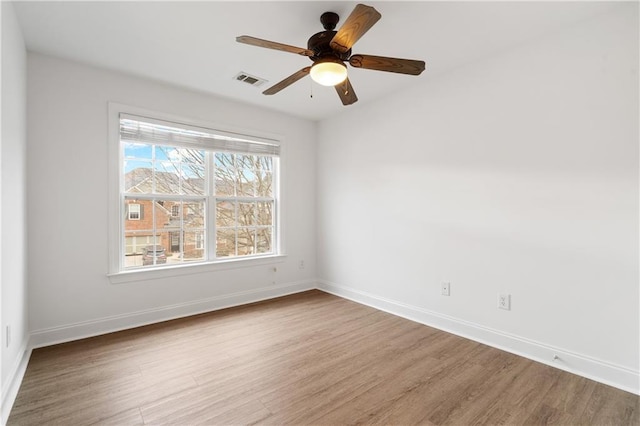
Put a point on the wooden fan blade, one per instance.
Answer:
(359, 22)
(381, 63)
(287, 81)
(273, 45)
(346, 93)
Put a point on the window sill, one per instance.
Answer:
(199, 268)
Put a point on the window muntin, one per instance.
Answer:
(177, 185)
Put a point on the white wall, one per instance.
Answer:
(13, 198)
(517, 174)
(69, 292)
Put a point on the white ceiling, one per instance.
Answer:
(192, 44)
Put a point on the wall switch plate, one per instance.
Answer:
(446, 289)
(504, 301)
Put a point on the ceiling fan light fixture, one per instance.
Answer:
(329, 51)
(329, 72)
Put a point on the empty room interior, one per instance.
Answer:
(320, 212)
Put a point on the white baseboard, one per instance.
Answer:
(13, 382)
(598, 370)
(67, 333)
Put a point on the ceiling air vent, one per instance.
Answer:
(250, 79)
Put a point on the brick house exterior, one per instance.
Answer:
(176, 228)
(139, 225)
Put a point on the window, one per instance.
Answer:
(134, 211)
(199, 241)
(198, 194)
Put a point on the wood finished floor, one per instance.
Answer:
(310, 358)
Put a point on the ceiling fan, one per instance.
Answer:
(329, 50)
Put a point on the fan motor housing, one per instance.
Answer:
(319, 43)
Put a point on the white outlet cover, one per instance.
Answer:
(504, 301)
(446, 289)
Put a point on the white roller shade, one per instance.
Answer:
(134, 129)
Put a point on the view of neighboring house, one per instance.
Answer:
(165, 198)
(173, 224)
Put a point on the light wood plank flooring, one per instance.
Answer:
(310, 358)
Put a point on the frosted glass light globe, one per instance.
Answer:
(328, 73)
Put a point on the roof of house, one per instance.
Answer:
(141, 180)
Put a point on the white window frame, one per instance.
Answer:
(117, 273)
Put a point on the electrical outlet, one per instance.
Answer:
(504, 301)
(446, 289)
(301, 264)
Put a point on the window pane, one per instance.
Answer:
(194, 245)
(168, 226)
(167, 178)
(158, 254)
(179, 171)
(225, 174)
(264, 213)
(225, 214)
(137, 176)
(137, 215)
(225, 242)
(136, 244)
(246, 214)
(264, 184)
(193, 156)
(161, 153)
(138, 150)
(263, 240)
(194, 225)
(193, 170)
(193, 214)
(180, 155)
(245, 177)
(264, 177)
(246, 241)
(192, 179)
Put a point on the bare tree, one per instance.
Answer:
(239, 180)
